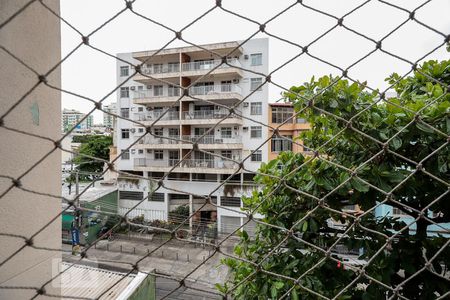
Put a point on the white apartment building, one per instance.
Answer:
(70, 117)
(108, 120)
(156, 101)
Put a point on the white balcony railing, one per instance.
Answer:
(208, 139)
(208, 114)
(161, 69)
(153, 116)
(208, 65)
(214, 89)
(186, 163)
(155, 140)
(145, 94)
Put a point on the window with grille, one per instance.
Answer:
(173, 67)
(225, 132)
(256, 131)
(159, 154)
(281, 114)
(124, 71)
(257, 156)
(125, 133)
(157, 68)
(230, 201)
(124, 92)
(256, 59)
(125, 112)
(157, 90)
(156, 197)
(131, 195)
(279, 144)
(255, 84)
(125, 155)
(256, 108)
(227, 153)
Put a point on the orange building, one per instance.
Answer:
(290, 129)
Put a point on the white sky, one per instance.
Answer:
(92, 74)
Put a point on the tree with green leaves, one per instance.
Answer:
(369, 151)
(95, 146)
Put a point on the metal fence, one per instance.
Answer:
(320, 202)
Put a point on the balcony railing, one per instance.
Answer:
(208, 114)
(145, 94)
(208, 65)
(152, 140)
(186, 163)
(153, 116)
(161, 69)
(214, 89)
(208, 139)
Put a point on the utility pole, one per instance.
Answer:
(77, 218)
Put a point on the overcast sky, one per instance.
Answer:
(92, 74)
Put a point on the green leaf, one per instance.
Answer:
(396, 143)
(359, 186)
(334, 103)
(294, 294)
(279, 285)
(305, 226)
(424, 128)
(273, 292)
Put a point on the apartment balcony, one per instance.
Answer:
(217, 92)
(211, 142)
(167, 118)
(168, 96)
(160, 72)
(174, 142)
(207, 117)
(200, 68)
(211, 166)
(156, 142)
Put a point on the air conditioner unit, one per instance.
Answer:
(235, 80)
(132, 88)
(133, 151)
(245, 104)
(245, 128)
(133, 130)
(245, 56)
(148, 108)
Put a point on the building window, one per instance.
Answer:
(158, 131)
(279, 144)
(125, 112)
(256, 108)
(255, 131)
(226, 153)
(174, 67)
(282, 114)
(140, 130)
(230, 201)
(140, 109)
(225, 132)
(256, 59)
(130, 195)
(140, 151)
(125, 133)
(300, 120)
(174, 132)
(157, 68)
(124, 92)
(157, 90)
(159, 154)
(255, 84)
(125, 154)
(124, 71)
(257, 156)
(157, 197)
(174, 91)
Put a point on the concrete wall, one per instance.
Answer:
(34, 37)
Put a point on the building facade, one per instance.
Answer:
(108, 120)
(281, 116)
(70, 117)
(202, 117)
